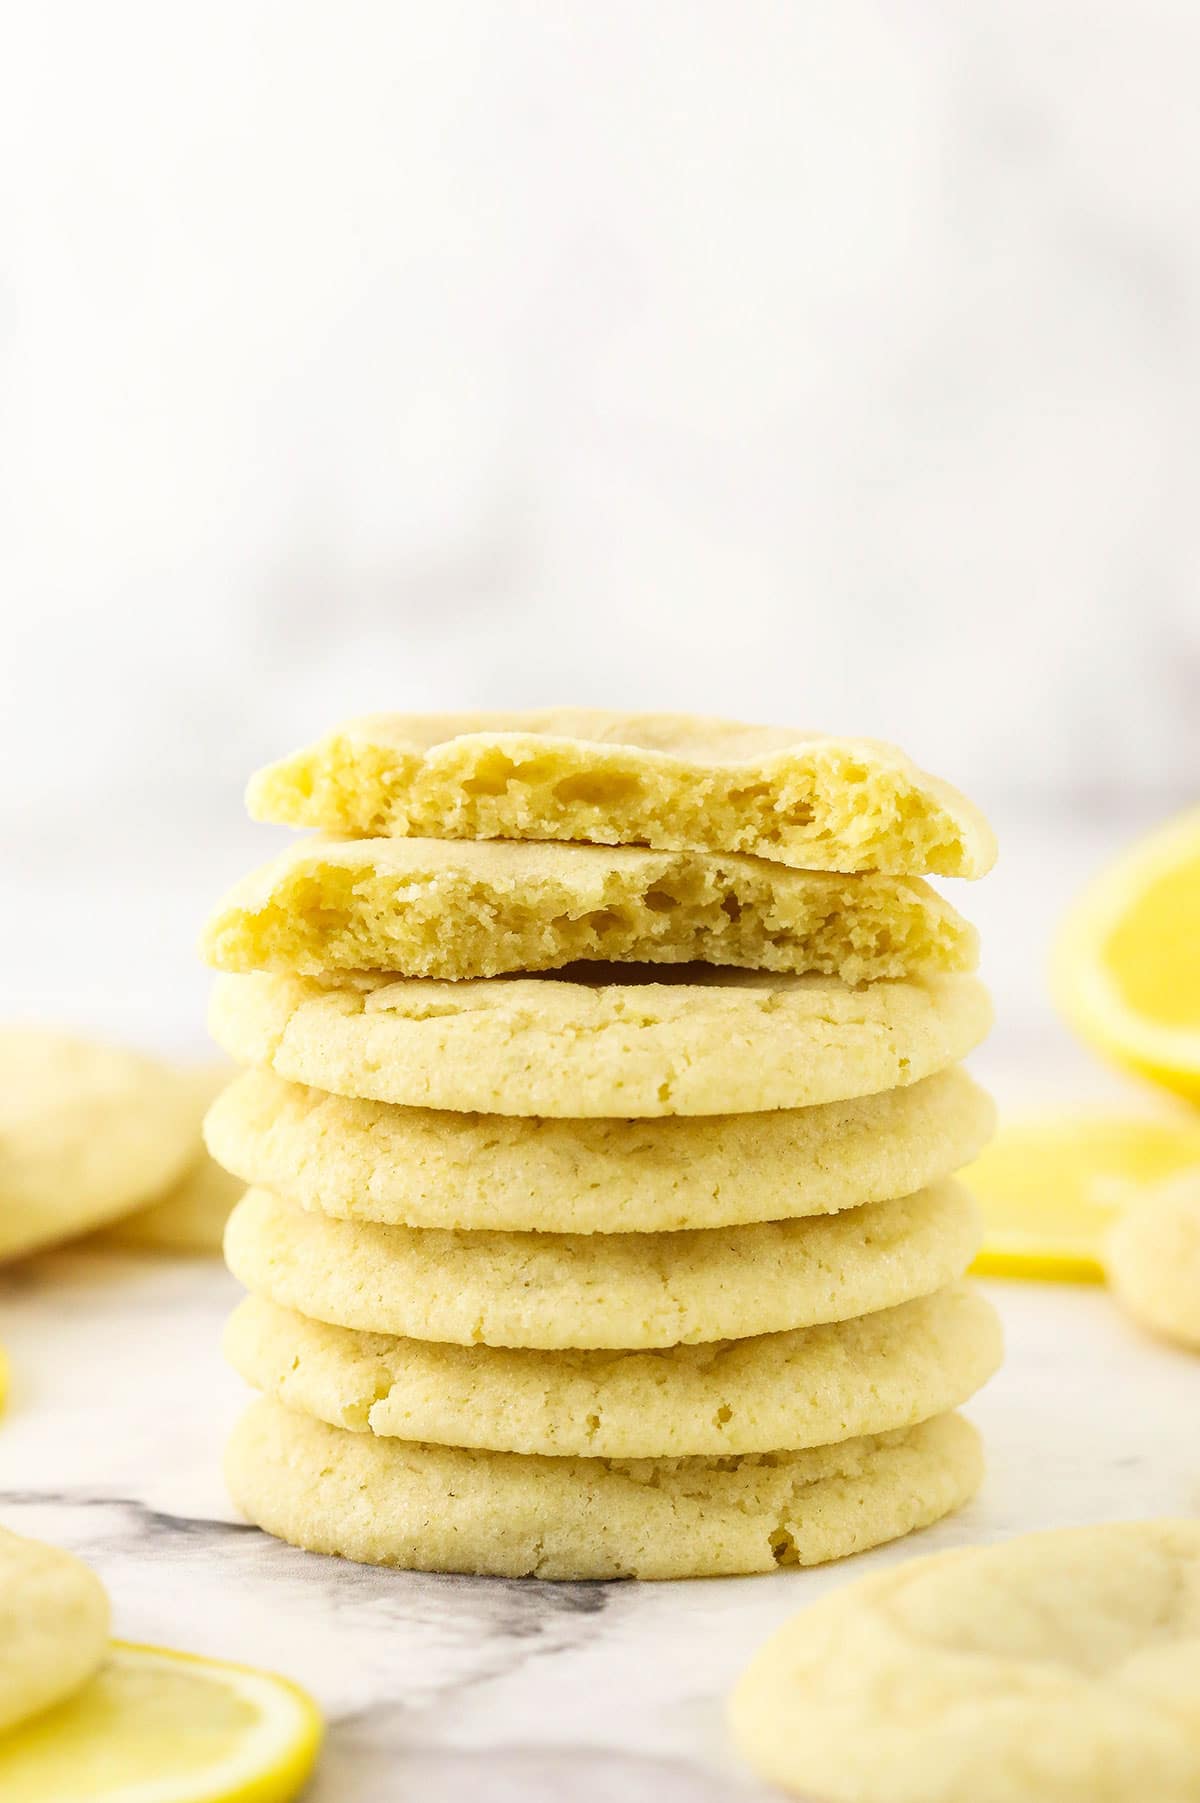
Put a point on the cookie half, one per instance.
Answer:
(809, 1387)
(462, 908)
(622, 1290)
(439, 1508)
(672, 781)
(584, 1045)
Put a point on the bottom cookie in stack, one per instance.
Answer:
(598, 1464)
(444, 1508)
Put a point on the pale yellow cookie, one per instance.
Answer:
(424, 1167)
(808, 1387)
(673, 781)
(600, 1289)
(191, 1216)
(1153, 1260)
(53, 1626)
(88, 1133)
(461, 909)
(1055, 1668)
(440, 1508)
(707, 1042)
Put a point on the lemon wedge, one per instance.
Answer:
(160, 1727)
(1050, 1187)
(1127, 959)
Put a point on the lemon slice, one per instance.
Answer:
(1049, 1187)
(160, 1727)
(1127, 959)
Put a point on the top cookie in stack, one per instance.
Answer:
(457, 1310)
(670, 781)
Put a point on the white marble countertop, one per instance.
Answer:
(444, 1688)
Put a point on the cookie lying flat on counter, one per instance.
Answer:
(54, 1621)
(620, 1290)
(672, 781)
(442, 1508)
(1153, 1260)
(1062, 1667)
(620, 1041)
(191, 1216)
(386, 904)
(88, 1133)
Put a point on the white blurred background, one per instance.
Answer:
(832, 365)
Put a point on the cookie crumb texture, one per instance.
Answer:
(428, 908)
(440, 1508)
(1061, 1667)
(619, 1042)
(670, 781)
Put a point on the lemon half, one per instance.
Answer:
(1050, 1187)
(1127, 958)
(162, 1727)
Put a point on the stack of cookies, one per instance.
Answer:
(602, 1104)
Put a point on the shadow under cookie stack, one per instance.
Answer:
(603, 1093)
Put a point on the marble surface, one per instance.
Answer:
(450, 1688)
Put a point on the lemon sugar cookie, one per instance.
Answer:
(600, 1102)
(619, 1290)
(384, 904)
(1062, 1666)
(808, 1387)
(700, 1042)
(191, 1216)
(1153, 1259)
(672, 781)
(53, 1626)
(424, 1167)
(440, 1508)
(88, 1132)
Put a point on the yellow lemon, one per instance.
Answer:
(160, 1727)
(1127, 961)
(1050, 1187)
